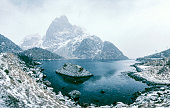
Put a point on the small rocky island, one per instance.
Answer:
(73, 70)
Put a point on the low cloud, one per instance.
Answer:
(137, 27)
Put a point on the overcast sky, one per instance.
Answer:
(136, 27)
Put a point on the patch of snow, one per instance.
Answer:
(143, 67)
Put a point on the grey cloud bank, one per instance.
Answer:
(137, 27)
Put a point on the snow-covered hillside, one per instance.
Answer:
(71, 41)
(163, 54)
(6, 45)
(160, 55)
(22, 87)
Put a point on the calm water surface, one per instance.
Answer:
(109, 76)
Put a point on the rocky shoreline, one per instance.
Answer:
(22, 86)
(139, 78)
(155, 74)
(152, 72)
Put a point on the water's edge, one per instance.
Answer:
(133, 96)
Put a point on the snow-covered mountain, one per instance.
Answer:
(72, 42)
(7, 45)
(31, 41)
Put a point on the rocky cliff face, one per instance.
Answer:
(71, 41)
(7, 45)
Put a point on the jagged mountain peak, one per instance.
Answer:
(60, 30)
(61, 22)
(62, 19)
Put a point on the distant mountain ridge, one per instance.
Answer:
(40, 54)
(162, 54)
(6, 45)
(71, 42)
(31, 41)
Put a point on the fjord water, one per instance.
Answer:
(109, 76)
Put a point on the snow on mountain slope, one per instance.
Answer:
(89, 47)
(110, 51)
(72, 42)
(6, 45)
(162, 54)
(31, 41)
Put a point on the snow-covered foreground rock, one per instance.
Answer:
(21, 88)
(156, 98)
(73, 70)
(159, 98)
(74, 94)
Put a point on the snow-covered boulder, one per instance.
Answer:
(73, 70)
(74, 94)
